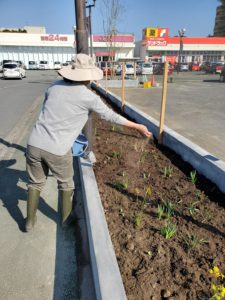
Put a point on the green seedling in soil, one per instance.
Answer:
(115, 127)
(121, 213)
(192, 208)
(160, 211)
(146, 175)
(138, 220)
(121, 185)
(192, 241)
(137, 192)
(149, 253)
(169, 208)
(168, 171)
(143, 156)
(206, 215)
(116, 154)
(168, 230)
(95, 131)
(199, 195)
(148, 193)
(193, 176)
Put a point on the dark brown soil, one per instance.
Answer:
(133, 181)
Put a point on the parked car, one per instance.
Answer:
(43, 65)
(129, 69)
(195, 67)
(147, 69)
(184, 67)
(222, 74)
(219, 66)
(13, 70)
(57, 65)
(159, 69)
(32, 65)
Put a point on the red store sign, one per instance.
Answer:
(54, 37)
(156, 42)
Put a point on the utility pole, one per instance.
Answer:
(89, 25)
(82, 47)
(81, 27)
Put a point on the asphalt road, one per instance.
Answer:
(195, 108)
(16, 96)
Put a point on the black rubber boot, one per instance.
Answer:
(66, 206)
(32, 205)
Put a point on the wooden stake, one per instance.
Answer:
(123, 85)
(106, 78)
(163, 104)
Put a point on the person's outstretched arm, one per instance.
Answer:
(141, 128)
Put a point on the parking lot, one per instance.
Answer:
(195, 107)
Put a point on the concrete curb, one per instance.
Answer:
(118, 83)
(107, 279)
(204, 162)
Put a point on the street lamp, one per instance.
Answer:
(181, 33)
(89, 24)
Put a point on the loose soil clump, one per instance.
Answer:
(166, 221)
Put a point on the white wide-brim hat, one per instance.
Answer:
(82, 69)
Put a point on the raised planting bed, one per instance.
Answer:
(167, 222)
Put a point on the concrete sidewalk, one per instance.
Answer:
(38, 265)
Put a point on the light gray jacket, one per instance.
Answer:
(64, 113)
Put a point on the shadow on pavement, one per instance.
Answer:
(12, 145)
(11, 193)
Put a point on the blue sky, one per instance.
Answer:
(58, 16)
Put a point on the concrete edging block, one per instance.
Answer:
(201, 160)
(107, 278)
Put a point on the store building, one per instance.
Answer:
(33, 43)
(157, 44)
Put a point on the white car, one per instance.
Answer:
(57, 65)
(32, 65)
(43, 65)
(147, 69)
(13, 70)
(184, 67)
(129, 69)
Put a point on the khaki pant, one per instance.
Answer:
(39, 162)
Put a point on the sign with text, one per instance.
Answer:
(156, 42)
(54, 37)
(151, 32)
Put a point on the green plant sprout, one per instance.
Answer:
(192, 208)
(121, 185)
(116, 154)
(192, 241)
(168, 230)
(95, 131)
(138, 220)
(168, 171)
(121, 213)
(169, 208)
(199, 195)
(146, 175)
(113, 127)
(206, 215)
(193, 177)
(143, 156)
(160, 211)
(137, 192)
(148, 193)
